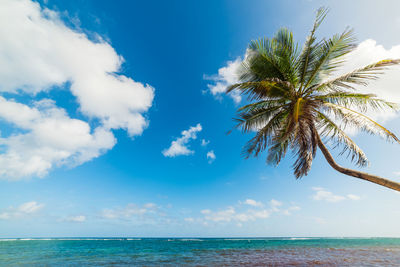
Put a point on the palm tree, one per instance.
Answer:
(296, 104)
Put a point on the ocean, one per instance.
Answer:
(200, 252)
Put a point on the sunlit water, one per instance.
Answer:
(200, 252)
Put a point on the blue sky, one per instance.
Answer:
(88, 137)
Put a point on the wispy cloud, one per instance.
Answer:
(245, 211)
(77, 219)
(180, 145)
(289, 210)
(25, 209)
(204, 142)
(324, 195)
(275, 204)
(148, 213)
(231, 214)
(353, 197)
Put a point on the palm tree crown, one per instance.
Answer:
(295, 101)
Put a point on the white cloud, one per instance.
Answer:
(231, 215)
(25, 209)
(322, 194)
(29, 207)
(40, 53)
(149, 213)
(4, 216)
(226, 76)
(290, 209)
(353, 197)
(150, 206)
(211, 156)
(275, 204)
(204, 142)
(179, 146)
(254, 203)
(51, 139)
(206, 211)
(241, 212)
(78, 218)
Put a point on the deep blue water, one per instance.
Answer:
(200, 252)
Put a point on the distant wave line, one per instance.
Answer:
(70, 239)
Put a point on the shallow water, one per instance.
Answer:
(200, 252)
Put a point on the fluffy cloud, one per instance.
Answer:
(226, 76)
(25, 209)
(241, 212)
(211, 156)
(40, 53)
(50, 138)
(179, 146)
(322, 194)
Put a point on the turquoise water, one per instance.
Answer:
(200, 252)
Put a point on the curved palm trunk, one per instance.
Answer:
(362, 175)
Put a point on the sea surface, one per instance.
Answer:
(200, 252)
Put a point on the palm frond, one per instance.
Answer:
(271, 58)
(332, 131)
(277, 151)
(360, 121)
(287, 52)
(273, 87)
(328, 57)
(261, 62)
(357, 77)
(304, 146)
(257, 118)
(262, 104)
(309, 53)
(362, 102)
(265, 135)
